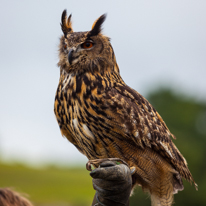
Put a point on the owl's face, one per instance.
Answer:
(84, 51)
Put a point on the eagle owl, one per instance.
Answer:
(105, 118)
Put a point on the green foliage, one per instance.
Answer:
(186, 119)
(49, 186)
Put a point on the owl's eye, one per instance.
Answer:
(87, 45)
(65, 46)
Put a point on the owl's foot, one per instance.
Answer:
(99, 161)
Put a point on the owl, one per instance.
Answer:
(104, 118)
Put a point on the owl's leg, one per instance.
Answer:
(99, 161)
(163, 194)
(166, 200)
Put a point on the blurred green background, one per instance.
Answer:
(52, 185)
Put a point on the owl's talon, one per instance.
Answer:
(89, 166)
(132, 170)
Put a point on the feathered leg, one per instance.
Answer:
(163, 195)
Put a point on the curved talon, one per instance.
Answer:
(89, 166)
(132, 170)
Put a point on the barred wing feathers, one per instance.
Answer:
(135, 119)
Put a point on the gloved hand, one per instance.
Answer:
(113, 184)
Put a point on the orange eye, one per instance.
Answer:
(65, 46)
(87, 45)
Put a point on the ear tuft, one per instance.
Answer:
(96, 27)
(66, 23)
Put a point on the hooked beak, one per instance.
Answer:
(70, 58)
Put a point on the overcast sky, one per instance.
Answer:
(155, 42)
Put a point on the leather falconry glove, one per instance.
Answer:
(113, 184)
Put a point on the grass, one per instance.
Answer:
(50, 185)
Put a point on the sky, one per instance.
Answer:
(157, 43)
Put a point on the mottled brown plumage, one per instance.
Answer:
(105, 118)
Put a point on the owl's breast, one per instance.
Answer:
(78, 97)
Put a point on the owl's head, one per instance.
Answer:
(85, 51)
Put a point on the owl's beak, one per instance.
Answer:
(70, 58)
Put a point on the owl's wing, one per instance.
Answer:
(136, 118)
(130, 116)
